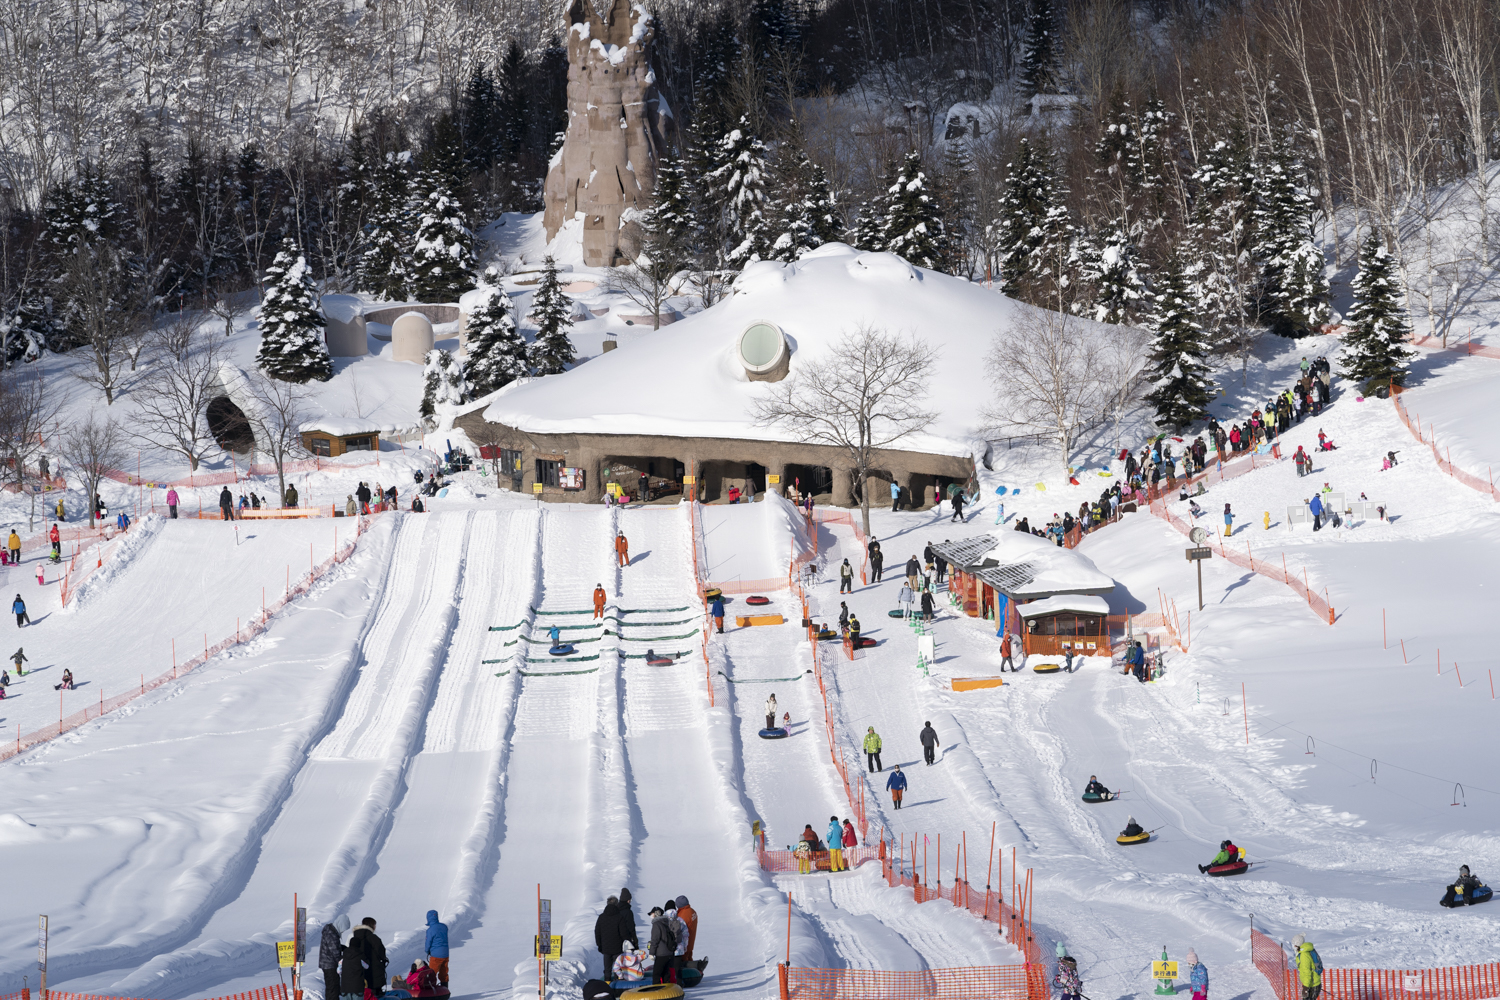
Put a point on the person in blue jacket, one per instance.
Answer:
(836, 862)
(437, 947)
(897, 785)
(19, 610)
(1316, 507)
(716, 610)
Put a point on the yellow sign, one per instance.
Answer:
(536, 488)
(286, 954)
(773, 479)
(1163, 970)
(554, 951)
(755, 828)
(690, 480)
(613, 489)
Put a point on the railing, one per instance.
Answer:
(1460, 982)
(1485, 486)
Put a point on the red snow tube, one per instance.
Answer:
(660, 661)
(1232, 868)
(757, 600)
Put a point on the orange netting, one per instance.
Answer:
(1000, 982)
(277, 992)
(1461, 982)
(1444, 461)
(1436, 344)
(253, 628)
(786, 861)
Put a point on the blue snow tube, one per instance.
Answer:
(566, 649)
(773, 734)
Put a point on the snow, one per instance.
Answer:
(1083, 604)
(1049, 568)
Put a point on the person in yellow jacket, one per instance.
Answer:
(1309, 968)
(872, 750)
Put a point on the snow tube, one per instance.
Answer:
(566, 649)
(898, 613)
(757, 600)
(828, 633)
(864, 641)
(1095, 797)
(1139, 838)
(1046, 668)
(713, 592)
(774, 734)
(661, 991)
(689, 976)
(660, 661)
(1233, 868)
(1479, 895)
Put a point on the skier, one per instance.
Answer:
(872, 750)
(1309, 968)
(929, 738)
(436, 946)
(897, 785)
(1228, 855)
(19, 609)
(715, 610)
(599, 600)
(958, 506)
(877, 559)
(846, 578)
(330, 950)
(835, 846)
(622, 549)
(1197, 976)
(1095, 787)
(771, 711)
(906, 597)
(1465, 882)
(67, 681)
(18, 658)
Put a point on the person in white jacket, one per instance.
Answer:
(771, 711)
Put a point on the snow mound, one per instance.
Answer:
(883, 267)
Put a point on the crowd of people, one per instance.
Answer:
(356, 969)
(668, 955)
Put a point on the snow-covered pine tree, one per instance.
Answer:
(806, 216)
(1039, 58)
(82, 214)
(1055, 261)
(496, 353)
(1181, 388)
(738, 184)
(822, 207)
(866, 232)
(673, 218)
(292, 348)
(913, 225)
(442, 265)
(383, 265)
(1374, 350)
(551, 351)
(1222, 271)
(1115, 290)
(1293, 293)
(83, 228)
(1029, 194)
(442, 383)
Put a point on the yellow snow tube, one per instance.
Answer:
(661, 991)
(1139, 838)
(1046, 668)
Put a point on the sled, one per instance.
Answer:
(660, 661)
(1041, 486)
(1046, 668)
(1479, 895)
(1095, 798)
(1139, 838)
(713, 592)
(566, 649)
(756, 600)
(1232, 868)
(660, 991)
(774, 734)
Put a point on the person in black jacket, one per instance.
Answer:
(627, 922)
(368, 952)
(929, 738)
(330, 950)
(607, 934)
(226, 504)
(663, 943)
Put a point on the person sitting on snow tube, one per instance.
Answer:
(1096, 788)
(1132, 828)
(421, 981)
(630, 967)
(1228, 855)
(1465, 885)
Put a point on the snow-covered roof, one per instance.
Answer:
(342, 426)
(687, 380)
(1026, 567)
(1080, 604)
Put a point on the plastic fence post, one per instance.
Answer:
(1245, 706)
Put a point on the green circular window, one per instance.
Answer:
(761, 345)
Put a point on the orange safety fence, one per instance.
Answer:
(277, 992)
(1432, 343)
(1001, 982)
(1445, 463)
(1460, 982)
(822, 515)
(246, 632)
(786, 861)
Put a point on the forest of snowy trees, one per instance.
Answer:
(1102, 153)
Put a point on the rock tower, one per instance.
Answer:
(616, 127)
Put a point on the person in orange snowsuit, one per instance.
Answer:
(599, 600)
(623, 548)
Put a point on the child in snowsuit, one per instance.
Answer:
(1197, 976)
(1066, 979)
(1228, 854)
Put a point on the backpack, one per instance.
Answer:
(1317, 963)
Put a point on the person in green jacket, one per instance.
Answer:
(1309, 968)
(1228, 854)
(872, 750)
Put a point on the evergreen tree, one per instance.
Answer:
(1224, 273)
(442, 383)
(84, 227)
(442, 266)
(1028, 204)
(551, 351)
(1293, 293)
(738, 186)
(30, 329)
(806, 216)
(515, 108)
(913, 226)
(867, 225)
(496, 351)
(481, 120)
(1116, 291)
(1374, 351)
(674, 219)
(82, 214)
(1039, 59)
(292, 348)
(383, 265)
(1181, 388)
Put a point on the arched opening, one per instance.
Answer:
(229, 426)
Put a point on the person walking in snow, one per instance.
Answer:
(55, 537)
(835, 843)
(226, 504)
(19, 610)
(1309, 968)
(906, 597)
(436, 946)
(928, 608)
(929, 738)
(895, 496)
(872, 750)
(913, 572)
(368, 947)
(771, 711)
(14, 547)
(18, 658)
(958, 506)
(663, 945)
(877, 559)
(330, 952)
(599, 597)
(622, 549)
(846, 578)
(351, 509)
(1197, 976)
(850, 838)
(607, 934)
(172, 514)
(896, 784)
(1315, 507)
(689, 917)
(1066, 978)
(1006, 642)
(716, 612)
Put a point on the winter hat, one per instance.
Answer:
(654, 911)
(1062, 950)
(624, 897)
(1463, 869)
(341, 923)
(681, 902)
(1192, 957)
(1297, 941)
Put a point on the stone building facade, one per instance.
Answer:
(617, 127)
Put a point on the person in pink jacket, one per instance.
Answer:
(850, 840)
(172, 504)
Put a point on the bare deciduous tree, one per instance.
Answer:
(277, 420)
(174, 333)
(94, 448)
(1048, 374)
(866, 394)
(90, 279)
(26, 411)
(648, 284)
(176, 393)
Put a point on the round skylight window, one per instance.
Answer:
(763, 352)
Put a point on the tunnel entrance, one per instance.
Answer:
(229, 425)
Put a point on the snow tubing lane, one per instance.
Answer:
(774, 734)
(661, 991)
(563, 650)
(1219, 871)
(1046, 668)
(1139, 838)
(1480, 895)
(757, 600)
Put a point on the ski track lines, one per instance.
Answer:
(210, 807)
